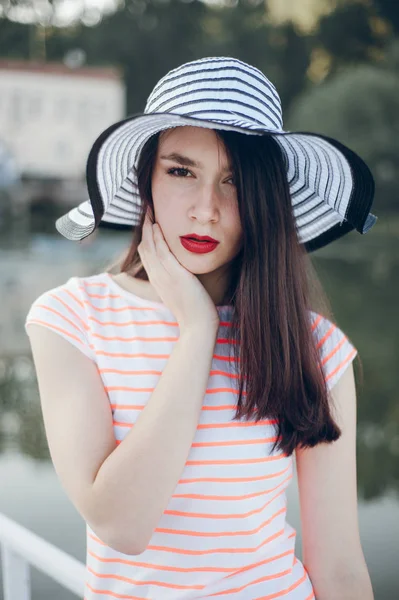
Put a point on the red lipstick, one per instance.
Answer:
(197, 246)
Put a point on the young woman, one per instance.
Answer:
(177, 391)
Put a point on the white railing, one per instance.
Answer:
(21, 548)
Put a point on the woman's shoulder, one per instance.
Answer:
(335, 349)
(76, 286)
(63, 309)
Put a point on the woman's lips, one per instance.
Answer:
(198, 247)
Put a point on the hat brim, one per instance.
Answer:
(331, 187)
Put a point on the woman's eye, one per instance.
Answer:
(182, 172)
(178, 172)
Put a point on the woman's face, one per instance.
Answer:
(193, 192)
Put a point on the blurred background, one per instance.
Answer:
(70, 68)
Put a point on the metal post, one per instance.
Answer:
(16, 575)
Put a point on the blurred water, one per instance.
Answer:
(361, 277)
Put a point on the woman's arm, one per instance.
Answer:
(120, 491)
(327, 483)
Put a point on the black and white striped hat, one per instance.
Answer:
(331, 187)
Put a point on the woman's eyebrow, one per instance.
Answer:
(186, 161)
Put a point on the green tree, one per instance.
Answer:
(388, 10)
(347, 33)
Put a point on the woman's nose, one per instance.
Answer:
(208, 200)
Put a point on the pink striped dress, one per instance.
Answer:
(224, 532)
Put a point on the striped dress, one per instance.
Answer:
(224, 532)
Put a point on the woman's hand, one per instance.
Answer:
(180, 290)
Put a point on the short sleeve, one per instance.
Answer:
(335, 350)
(62, 310)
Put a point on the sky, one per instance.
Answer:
(70, 8)
(67, 10)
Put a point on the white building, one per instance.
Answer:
(51, 114)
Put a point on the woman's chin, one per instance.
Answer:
(198, 264)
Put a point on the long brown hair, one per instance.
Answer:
(271, 295)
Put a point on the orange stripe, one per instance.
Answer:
(116, 388)
(224, 462)
(56, 312)
(229, 498)
(237, 424)
(130, 322)
(51, 326)
(225, 373)
(158, 322)
(149, 339)
(347, 359)
(150, 356)
(74, 298)
(259, 580)
(207, 425)
(153, 356)
(234, 479)
(112, 309)
(75, 314)
(234, 443)
(214, 444)
(139, 582)
(225, 358)
(326, 336)
(173, 569)
(102, 296)
(135, 339)
(218, 550)
(188, 587)
(113, 594)
(148, 372)
(337, 347)
(187, 552)
(248, 461)
(260, 563)
(138, 355)
(223, 407)
(89, 284)
(316, 322)
(217, 390)
(285, 591)
(221, 517)
(219, 444)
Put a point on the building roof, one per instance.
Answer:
(61, 69)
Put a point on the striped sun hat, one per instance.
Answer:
(331, 187)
